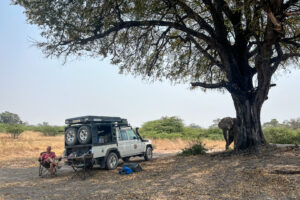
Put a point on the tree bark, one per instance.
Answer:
(248, 133)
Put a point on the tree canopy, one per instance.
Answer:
(9, 118)
(235, 45)
(177, 39)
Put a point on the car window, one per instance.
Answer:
(131, 134)
(123, 135)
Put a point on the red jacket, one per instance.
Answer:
(48, 155)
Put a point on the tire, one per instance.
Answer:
(126, 159)
(84, 135)
(112, 161)
(148, 153)
(71, 136)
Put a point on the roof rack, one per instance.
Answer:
(98, 119)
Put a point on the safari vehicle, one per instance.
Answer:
(107, 138)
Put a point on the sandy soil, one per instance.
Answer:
(272, 174)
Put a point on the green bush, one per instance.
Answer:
(173, 127)
(195, 149)
(3, 128)
(212, 134)
(282, 135)
(164, 125)
(49, 130)
(14, 129)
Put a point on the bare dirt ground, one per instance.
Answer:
(272, 174)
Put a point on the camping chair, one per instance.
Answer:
(44, 168)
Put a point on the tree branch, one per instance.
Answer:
(129, 24)
(222, 84)
(205, 53)
(190, 12)
(284, 57)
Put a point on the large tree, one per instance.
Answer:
(234, 45)
(9, 118)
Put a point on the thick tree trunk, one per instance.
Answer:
(249, 133)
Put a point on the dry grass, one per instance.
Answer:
(28, 145)
(176, 145)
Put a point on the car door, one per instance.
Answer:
(124, 144)
(135, 142)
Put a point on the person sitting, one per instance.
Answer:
(49, 159)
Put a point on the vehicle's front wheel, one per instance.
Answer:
(148, 153)
(70, 136)
(84, 135)
(112, 161)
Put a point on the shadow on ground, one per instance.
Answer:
(169, 177)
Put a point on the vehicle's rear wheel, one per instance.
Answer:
(112, 161)
(84, 135)
(148, 153)
(126, 159)
(71, 136)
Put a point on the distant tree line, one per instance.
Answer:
(12, 124)
(292, 123)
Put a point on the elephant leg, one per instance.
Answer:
(230, 138)
(225, 136)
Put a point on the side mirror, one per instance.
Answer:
(134, 138)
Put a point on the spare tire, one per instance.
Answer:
(84, 135)
(71, 136)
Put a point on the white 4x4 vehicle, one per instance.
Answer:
(107, 138)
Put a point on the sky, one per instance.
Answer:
(41, 89)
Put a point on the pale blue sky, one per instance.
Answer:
(42, 89)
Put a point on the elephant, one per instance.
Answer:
(228, 126)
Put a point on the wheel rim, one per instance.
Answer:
(113, 161)
(149, 153)
(70, 136)
(83, 134)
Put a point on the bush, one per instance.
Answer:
(15, 130)
(195, 149)
(3, 128)
(212, 134)
(49, 130)
(46, 130)
(173, 127)
(282, 135)
(164, 125)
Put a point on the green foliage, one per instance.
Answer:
(162, 39)
(195, 149)
(14, 129)
(9, 118)
(50, 130)
(164, 125)
(173, 127)
(282, 135)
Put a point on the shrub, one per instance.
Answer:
(3, 128)
(15, 130)
(282, 135)
(50, 130)
(212, 134)
(195, 149)
(163, 125)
